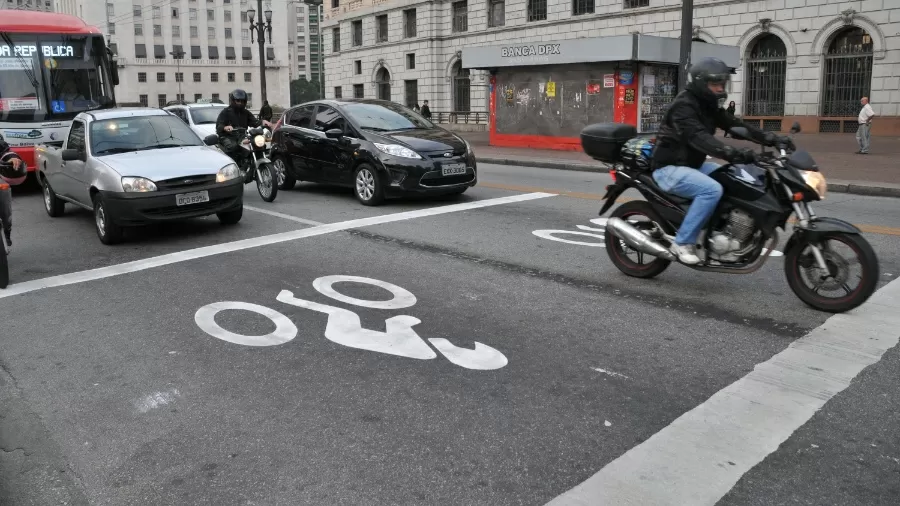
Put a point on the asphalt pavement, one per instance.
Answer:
(470, 350)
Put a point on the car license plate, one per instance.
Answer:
(186, 199)
(453, 169)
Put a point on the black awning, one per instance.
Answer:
(179, 52)
(213, 52)
(159, 52)
(246, 53)
(270, 53)
(195, 53)
(229, 53)
(140, 51)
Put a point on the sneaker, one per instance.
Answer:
(686, 253)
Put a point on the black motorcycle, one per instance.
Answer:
(5, 221)
(827, 262)
(254, 164)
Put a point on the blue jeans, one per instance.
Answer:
(691, 183)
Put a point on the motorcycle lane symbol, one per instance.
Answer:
(345, 328)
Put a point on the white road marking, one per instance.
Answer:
(285, 330)
(218, 249)
(282, 215)
(156, 400)
(700, 456)
(610, 373)
(402, 298)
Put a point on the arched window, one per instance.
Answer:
(383, 84)
(848, 72)
(461, 88)
(765, 77)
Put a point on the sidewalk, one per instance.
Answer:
(875, 174)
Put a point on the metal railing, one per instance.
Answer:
(459, 117)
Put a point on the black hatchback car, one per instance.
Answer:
(378, 148)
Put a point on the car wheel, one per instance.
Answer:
(367, 186)
(231, 217)
(54, 206)
(107, 230)
(285, 180)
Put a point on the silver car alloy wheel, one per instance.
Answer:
(365, 184)
(47, 198)
(100, 218)
(279, 169)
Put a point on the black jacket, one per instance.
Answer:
(687, 133)
(236, 119)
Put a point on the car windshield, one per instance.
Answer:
(205, 115)
(123, 135)
(386, 117)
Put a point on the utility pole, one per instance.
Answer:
(261, 28)
(178, 55)
(687, 35)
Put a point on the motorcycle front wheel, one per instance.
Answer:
(852, 275)
(267, 181)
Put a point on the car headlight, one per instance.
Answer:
(227, 173)
(397, 150)
(259, 141)
(138, 184)
(816, 181)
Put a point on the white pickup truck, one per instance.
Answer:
(138, 166)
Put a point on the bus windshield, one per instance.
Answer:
(52, 77)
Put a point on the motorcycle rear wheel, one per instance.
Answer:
(799, 258)
(616, 249)
(267, 182)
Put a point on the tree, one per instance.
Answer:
(303, 91)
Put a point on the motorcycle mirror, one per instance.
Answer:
(795, 128)
(739, 133)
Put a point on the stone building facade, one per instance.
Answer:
(804, 60)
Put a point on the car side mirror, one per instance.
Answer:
(739, 133)
(73, 155)
(334, 133)
(211, 140)
(795, 128)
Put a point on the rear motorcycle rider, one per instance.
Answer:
(232, 117)
(13, 172)
(686, 137)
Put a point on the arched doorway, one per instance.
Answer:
(383, 84)
(766, 77)
(848, 72)
(462, 88)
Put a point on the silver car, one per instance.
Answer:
(137, 166)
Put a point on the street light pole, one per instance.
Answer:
(687, 35)
(261, 27)
(178, 55)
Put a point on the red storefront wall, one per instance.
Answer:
(625, 111)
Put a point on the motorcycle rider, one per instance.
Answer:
(14, 174)
(235, 116)
(686, 136)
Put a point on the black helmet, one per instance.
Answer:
(705, 71)
(237, 98)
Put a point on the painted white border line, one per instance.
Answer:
(192, 254)
(700, 456)
(282, 215)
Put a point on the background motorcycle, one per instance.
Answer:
(5, 218)
(257, 165)
(820, 257)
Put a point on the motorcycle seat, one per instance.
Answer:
(647, 179)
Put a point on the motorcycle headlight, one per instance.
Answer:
(397, 150)
(816, 181)
(259, 141)
(227, 173)
(138, 184)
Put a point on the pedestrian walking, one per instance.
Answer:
(865, 126)
(426, 111)
(731, 109)
(265, 113)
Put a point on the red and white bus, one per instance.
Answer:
(52, 67)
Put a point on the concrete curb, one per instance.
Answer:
(836, 186)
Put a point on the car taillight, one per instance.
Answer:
(612, 174)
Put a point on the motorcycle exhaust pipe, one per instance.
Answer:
(636, 239)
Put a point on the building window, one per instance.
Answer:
(580, 7)
(228, 33)
(765, 76)
(358, 91)
(248, 77)
(144, 100)
(336, 40)
(137, 10)
(138, 29)
(179, 97)
(411, 61)
(357, 67)
(142, 77)
(210, 32)
(196, 77)
(210, 15)
(244, 17)
(383, 84)
(157, 30)
(198, 96)
(461, 88)
(214, 77)
(179, 77)
(228, 16)
(460, 13)
(192, 14)
(537, 10)
(175, 13)
(157, 12)
(357, 32)
(176, 31)
(249, 99)
(496, 13)
(409, 23)
(111, 28)
(381, 28)
(110, 9)
(195, 32)
(215, 96)
(338, 94)
(411, 89)
(231, 77)
(160, 77)
(848, 72)
(161, 99)
(634, 4)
